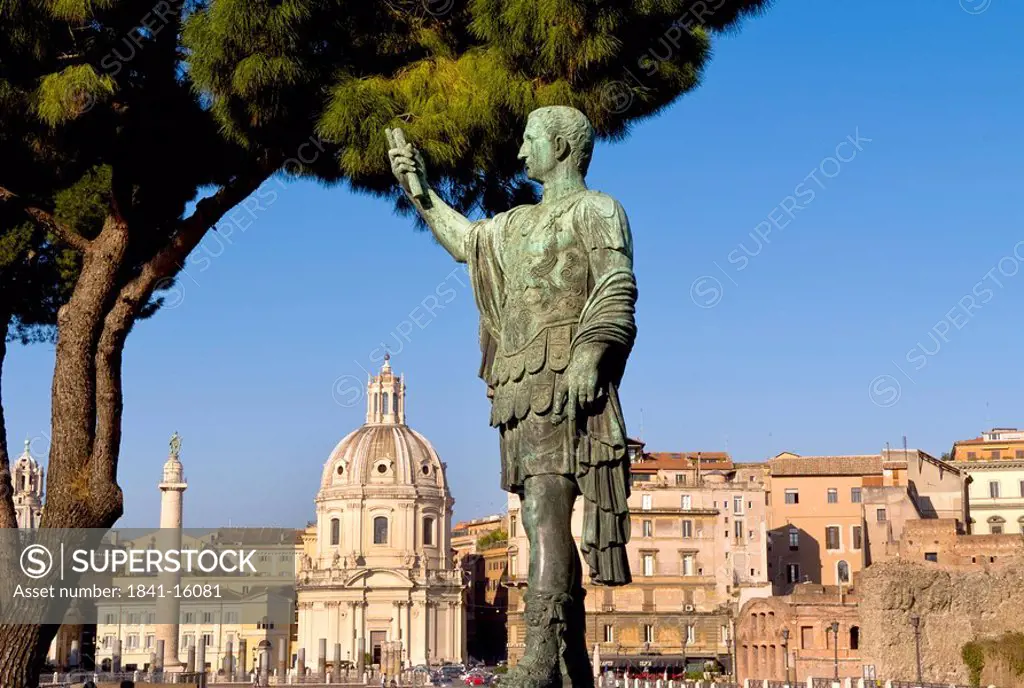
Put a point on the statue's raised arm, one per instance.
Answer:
(448, 225)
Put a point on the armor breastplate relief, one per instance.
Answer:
(545, 292)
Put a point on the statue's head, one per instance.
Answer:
(556, 139)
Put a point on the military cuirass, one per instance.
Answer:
(546, 274)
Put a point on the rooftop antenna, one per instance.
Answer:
(904, 446)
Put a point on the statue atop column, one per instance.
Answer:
(556, 292)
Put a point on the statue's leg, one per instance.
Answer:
(555, 621)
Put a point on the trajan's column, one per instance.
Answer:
(172, 492)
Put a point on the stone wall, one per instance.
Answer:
(955, 604)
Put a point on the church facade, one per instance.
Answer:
(376, 572)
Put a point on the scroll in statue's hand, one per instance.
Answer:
(407, 160)
(579, 385)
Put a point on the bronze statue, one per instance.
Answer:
(555, 288)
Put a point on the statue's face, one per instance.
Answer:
(538, 151)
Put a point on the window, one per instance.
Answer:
(428, 531)
(648, 633)
(855, 495)
(230, 617)
(609, 635)
(738, 530)
(794, 538)
(150, 641)
(512, 522)
(648, 528)
(792, 573)
(645, 502)
(1019, 454)
(972, 455)
(691, 634)
(207, 617)
(843, 572)
(806, 637)
(513, 564)
(737, 505)
(792, 496)
(380, 530)
(648, 564)
(688, 564)
(687, 502)
(833, 495)
(188, 640)
(687, 528)
(858, 537)
(108, 641)
(931, 556)
(110, 619)
(1022, 488)
(997, 454)
(208, 639)
(880, 515)
(190, 618)
(133, 641)
(335, 532)
(384, 403)
(680, 478)
(854, 637)
(832, 537)
(993, 489)
(134, 618)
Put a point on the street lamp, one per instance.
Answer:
(915, 621)
(785, 650)
(835, 646)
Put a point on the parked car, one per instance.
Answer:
(475, 679)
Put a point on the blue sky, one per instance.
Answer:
(888, 302)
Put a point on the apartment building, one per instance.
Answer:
(815, 518)
(697, 552)
(995, 463)
(481, 545)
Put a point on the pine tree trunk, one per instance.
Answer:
(7, 516)
(22, 653)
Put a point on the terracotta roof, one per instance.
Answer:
(861, 464)
(684, 460)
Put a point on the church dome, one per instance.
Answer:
(384, 451)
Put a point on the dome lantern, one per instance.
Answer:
(385, 397)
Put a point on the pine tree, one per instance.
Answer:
(175, 112)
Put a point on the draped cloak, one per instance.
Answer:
(522, 381)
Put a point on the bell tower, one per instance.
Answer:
(385, 397)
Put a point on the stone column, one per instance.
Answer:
(172, 491)
(241, 668)
(337, 663)
(321, 658)
(201, 661)
(227, 662)
(158, 659)
(282, 659)
(115, 664)
(360, 656)
(300, 662)
(190, 662)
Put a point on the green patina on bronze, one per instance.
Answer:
(555, 287)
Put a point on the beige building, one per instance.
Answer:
(815, 517)
(697, 551)
(481, 548)
(914, 486)
(995, 463)
(377, 565)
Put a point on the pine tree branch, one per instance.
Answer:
(48, 221)
(132, 297)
